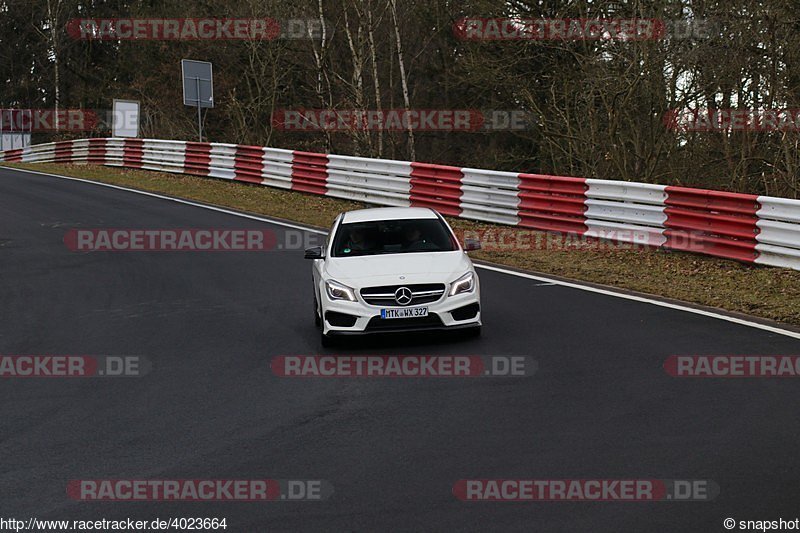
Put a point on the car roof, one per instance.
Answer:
(387, 213)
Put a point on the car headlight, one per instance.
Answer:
(465, 283)
(337, 291)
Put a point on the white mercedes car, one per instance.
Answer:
(394, 269)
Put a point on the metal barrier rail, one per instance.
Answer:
(745, 227)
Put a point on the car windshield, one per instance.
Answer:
(393, 237)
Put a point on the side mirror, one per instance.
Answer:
(314, 253)
(472, 244)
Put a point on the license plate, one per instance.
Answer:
(404, 312)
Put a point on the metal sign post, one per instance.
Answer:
(198, 88)
(199, 117)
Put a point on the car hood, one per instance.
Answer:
(419, 267)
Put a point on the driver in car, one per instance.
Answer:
(357, 241)
(413, 240)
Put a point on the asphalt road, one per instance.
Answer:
(600, 405)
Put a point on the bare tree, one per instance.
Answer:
(403, 77)
(376, 82)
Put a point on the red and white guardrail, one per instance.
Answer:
(745, 227)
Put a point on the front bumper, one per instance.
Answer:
(449, 312)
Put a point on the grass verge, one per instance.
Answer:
(765, 292)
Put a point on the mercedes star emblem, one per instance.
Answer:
(403, 295)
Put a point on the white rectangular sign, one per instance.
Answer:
(125, 121)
